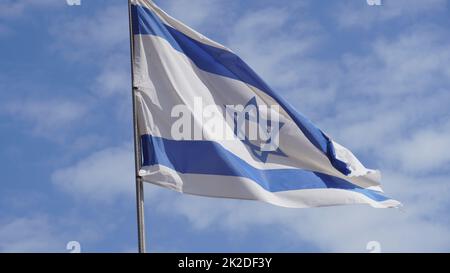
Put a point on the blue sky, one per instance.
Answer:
(377, 79)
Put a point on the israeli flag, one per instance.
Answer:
(210, 126)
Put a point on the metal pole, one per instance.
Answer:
(137, 147)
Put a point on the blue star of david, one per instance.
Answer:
(256, 149)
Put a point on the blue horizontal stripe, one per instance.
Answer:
(227, 64)
(207, 157)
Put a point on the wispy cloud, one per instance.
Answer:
(424, 150)
(29, 234)
(412, 63)
(15, 8)
(357, 14)
(47, 116)
(114, 79)
(103, 176)
(50, 232)
(94, 36)
(393, 95)
(200, 11)
(257, 38)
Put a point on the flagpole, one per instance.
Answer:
(137, 148)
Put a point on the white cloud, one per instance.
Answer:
(258, 34)
(410, 63)
(103, 176)
(93, 36)
(200, 11)
(42, 232)
(425, 150)
(359, 14)
(100, 40)
(30, 234)
(114, 78)
(393, 100)
(47, 116)
(87, 142)
(16, 8)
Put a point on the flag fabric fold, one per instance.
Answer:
(210, 126)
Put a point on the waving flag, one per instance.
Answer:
(210, 126)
